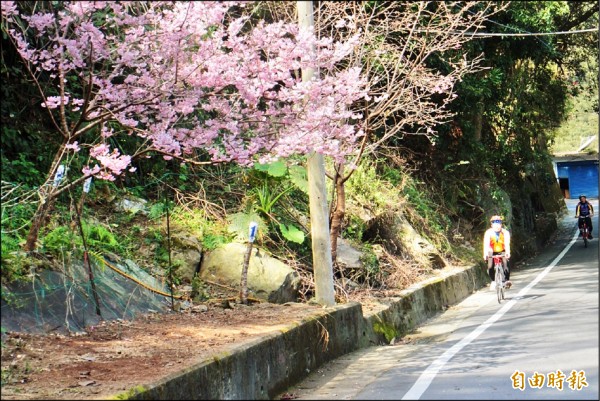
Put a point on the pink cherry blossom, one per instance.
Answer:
(183, 77)
(73, 146)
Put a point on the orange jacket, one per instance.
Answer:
(496, 242)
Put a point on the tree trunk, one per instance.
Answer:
(48, 195)
(339, 211)
(38, 222)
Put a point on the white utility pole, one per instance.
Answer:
(319, 216)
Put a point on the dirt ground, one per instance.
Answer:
(117, 355)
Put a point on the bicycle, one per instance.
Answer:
(499, 275)
(585, 232)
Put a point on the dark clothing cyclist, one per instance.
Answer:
(584, 209)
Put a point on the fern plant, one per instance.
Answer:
(64, 238)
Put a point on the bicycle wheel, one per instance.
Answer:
(585, 237)
(499, 289)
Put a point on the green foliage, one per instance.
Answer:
(131, 393)
(98, 237)
(65, 239)
(297, 175)
(355, 227)
(239, 224)
(267, 198)
(62, 239)
(14, 221)
(371, 268)
(183, 180)
(157, 210)
(275, 169)
(154, 235)
(506, 117)
(538, 16)
(277, 175)
(418, 198)
(386, 329)
(394, 176)
(20, 170)
(369, 259)
(365, 187)
(6, 373)
(16, 217)
(292, 233)
(426, 217)
(273, 182)
(482, 86)
(16, 266)
(581, 121)
(213, 241)
(171, 267)
(294, 173)
(10, 243)
(191, 220)
(17, 210)
(502, 205)
(158, 241)
(199, 289)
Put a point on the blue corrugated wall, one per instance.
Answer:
(582, 175)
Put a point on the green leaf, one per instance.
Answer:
(299, 178)
(275, 169)
(157, 210)
(261, 167)
(239, 224)
(292, 233)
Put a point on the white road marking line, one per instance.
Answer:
(423, 382)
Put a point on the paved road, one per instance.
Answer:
(479, 349)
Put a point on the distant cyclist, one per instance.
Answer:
(496, 240)
(584, 209)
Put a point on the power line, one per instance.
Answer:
(511, 34)
(532, 33)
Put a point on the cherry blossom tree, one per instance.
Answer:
(187, 78)
(407, 95)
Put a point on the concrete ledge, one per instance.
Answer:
(266, 367)
(421, 302)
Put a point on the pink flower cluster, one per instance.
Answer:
(179, 75)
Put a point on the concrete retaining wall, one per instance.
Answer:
(266, 367)
(421, 302)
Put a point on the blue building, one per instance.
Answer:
(577, 174)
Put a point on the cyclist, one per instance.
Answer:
(584, 208)
(496, 240)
